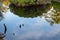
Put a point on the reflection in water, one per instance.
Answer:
(1, 16)
(30, 11)
(34, 22)
(4, 5)
(2, 35)
(14, 34)
(21, 25)
(5, 29)
(53, 16)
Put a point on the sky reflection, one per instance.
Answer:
(34, 28)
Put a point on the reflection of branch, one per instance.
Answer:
(2, 35)
(5, 29)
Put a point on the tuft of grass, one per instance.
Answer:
(56, 5)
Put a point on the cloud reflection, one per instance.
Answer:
(34, 28)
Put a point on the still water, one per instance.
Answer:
(33, 24)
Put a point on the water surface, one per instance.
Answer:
(33, 24)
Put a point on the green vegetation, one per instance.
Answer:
(31, 11)
(56, 16)
(56, 5)
(25, 2)
(34, 11)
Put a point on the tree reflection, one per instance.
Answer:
(56, 6)
(30, 11)
(53, 17)
(3, 5)
(52, 12)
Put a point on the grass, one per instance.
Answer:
(56, 5)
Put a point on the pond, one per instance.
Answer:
(31, 23)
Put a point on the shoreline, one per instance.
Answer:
(31, 5)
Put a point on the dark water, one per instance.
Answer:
(34, 24)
